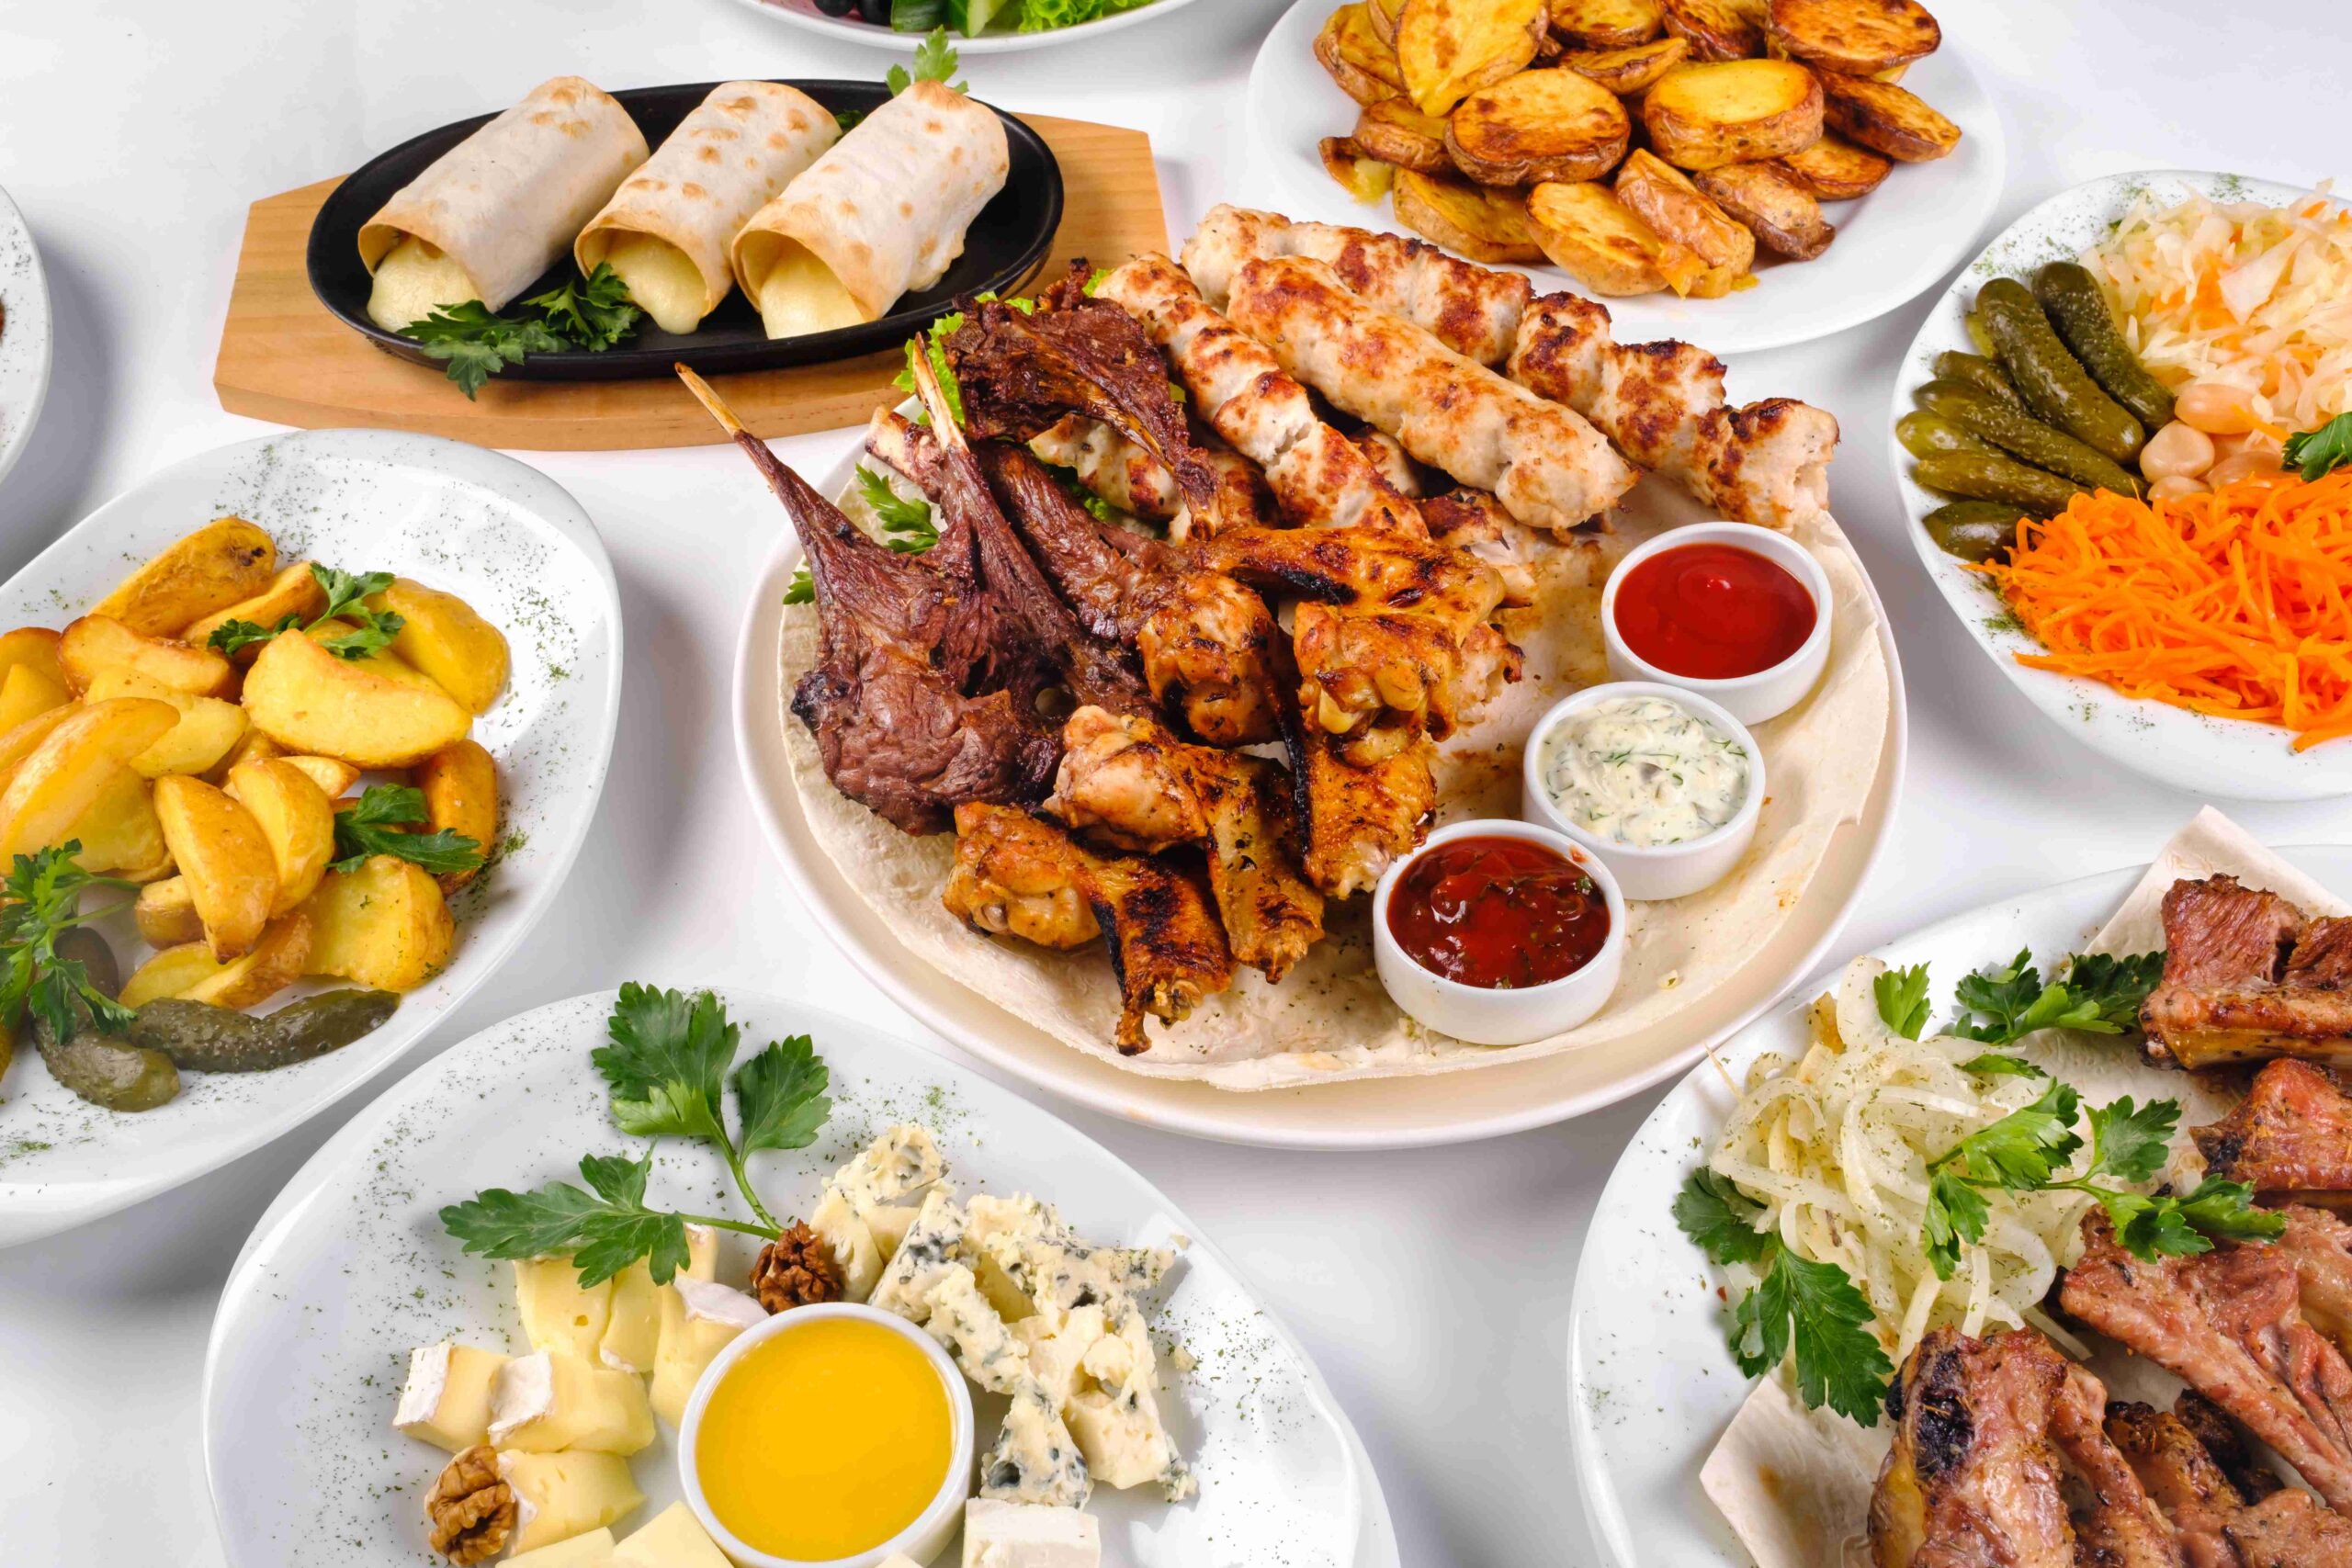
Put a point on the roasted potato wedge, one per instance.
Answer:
(281, 957)
(1885, 119)
(1778, 212)
(332, 775)
(446, 638)
(1449, 48)
(1361, 175)
(298, 819)
(1359, 61)
(171, 972)
(293, 591)
(120, 832)
(207, 728)
(1396, 132)
(1858, 37)
(1703, 116)
(71, 765)
(165, 914)
(1601, 243)
(1478, 221)
(224, 856)
(1627, 72)
(372, 713)
(1382, 14)
(36, 646)
(101, 642)
(253, 746)
(460, 788)
(384, 925)
(224, 562)
(25, 692)
(1665, 198)
(1537, 126)
(22, 740)
(1716, 29)
(1833, 169)
(1607, 24)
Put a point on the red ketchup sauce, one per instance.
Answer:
(1495, 912)
(1713, 612)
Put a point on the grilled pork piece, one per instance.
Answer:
(2247, 976)
(2227, 1324)
(2319, 1244)
(2289, 1530)
(1972, 1480)
(1114, 467)
(2183, 1477)
(2291, 1135)
(1012, 870)
(2122, 1527)
(2212, 1426)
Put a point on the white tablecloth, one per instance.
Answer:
(1433, 1288)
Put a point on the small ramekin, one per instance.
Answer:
(923, 1540)
(1667, 871)
(1479, 1015)
(1751, 699)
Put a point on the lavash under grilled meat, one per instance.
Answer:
(738, 148)
(506, 201)
(1329, 1020)
(886, 208)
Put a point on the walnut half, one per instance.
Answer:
(471, 1509)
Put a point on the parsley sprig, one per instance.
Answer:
(346, 595)
(935, 60)
(2098, 993)
(593, 314)
(2317, 453)
(44, 901)
(666, 1064)
(374, 828)
(907, 526)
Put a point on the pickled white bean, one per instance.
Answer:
(2177, 451)
(2215, 407)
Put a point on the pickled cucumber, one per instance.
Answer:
(1989, 476)
(2070, 297)
(2017, 432)
(207, 1039)
(1973, 530)
(1923, 433)
(2051, 379)
(1977, 372)
(102, 1069)
(1979, 336)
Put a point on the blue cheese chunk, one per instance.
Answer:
(1035, 1460)
(892, 1169)
(923, 1260)
(1058, 1349)
(962, 1320)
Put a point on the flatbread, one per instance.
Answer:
(1329, 1020)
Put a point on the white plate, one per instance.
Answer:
(804, 14)
(511, 542)
(1890, 244)
(24, 334)
(2192, 751)
(350, 1267)
(1376, 1114)
(1651, 1385)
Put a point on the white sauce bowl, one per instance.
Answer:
(1751, 699)
(1665, 871)
(1479, 1015)
(923, 1540)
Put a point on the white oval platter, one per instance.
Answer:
(804, 15)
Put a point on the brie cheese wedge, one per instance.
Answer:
(593, 1550)
(709, 1316)
(446, 1399)
(671, 1539)
(1027, 1535)
(557, 1314)
(548, 1401)
(633, 1327)
(558, 1496)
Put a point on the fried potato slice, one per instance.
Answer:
(448, 640)
(1363, 177)
(221, 851)
(1716, 29)
(224, 562)
(1357, 59)
(1396, 132)
(460, 788)
(100, 642)
(165, 914)
(384, 925)
(1833, 169)
(298, 819)
(293, 591)
(1607, 24)
(1602, 243)
(1704, 115)
(1481, 222)
(120, 833)
(26, 693)
(1858, 37)
(1885, 119)
(1778, 212)
(1665, 198)
(332, 775)
(1449, 48)
(74, 759)
(171, 972)
(372, 712)
(1538, 125)
(34, 646)
(1627, 72)
(209, 728)
(281, 957)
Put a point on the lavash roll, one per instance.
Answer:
(497, 210)
(883, 212)
(669, 229)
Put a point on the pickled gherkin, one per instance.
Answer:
(1989, 476)
(2048, 375)
(203, 1038)
(102, 1069)
(2070, 296)
(1923, 433)
(1974, 530)
(2017, 432)
(1977, 372)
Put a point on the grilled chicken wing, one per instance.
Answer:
(1114, 467)
(2183, 1477)
(2247, 976)
(1972, 1480)
(2290, 1135)
(1165, 945)
(1127, 782)
(1358, 820)
(2121, 1525)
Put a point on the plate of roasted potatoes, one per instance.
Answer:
(1751, 173)
(297, 738)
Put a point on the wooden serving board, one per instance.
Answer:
(283, 358)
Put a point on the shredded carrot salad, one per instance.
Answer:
(2236, 602)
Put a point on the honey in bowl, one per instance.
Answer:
(824, 1442)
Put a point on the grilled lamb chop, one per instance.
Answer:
(2290, 1530)
(2184, 1478)
(2229, 1325)
(1972, 1480)
(2246, 977)
(2122, 1527)
(2319, 1244)
(2290, 1135)
(2212, 1426)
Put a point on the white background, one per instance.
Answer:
(1433, 1288)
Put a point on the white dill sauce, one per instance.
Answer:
(1644, 771)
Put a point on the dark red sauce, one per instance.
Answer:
(1498, 912)
(1713, 612)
